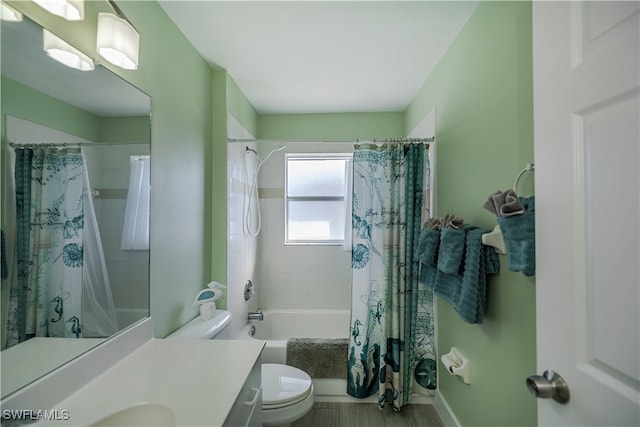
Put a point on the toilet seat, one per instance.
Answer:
(283, 386)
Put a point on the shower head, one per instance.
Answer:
(249, 149)
(254, 190)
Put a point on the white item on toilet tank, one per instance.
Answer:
(207, 298)
(199, 328)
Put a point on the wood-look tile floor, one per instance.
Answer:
(329, 414)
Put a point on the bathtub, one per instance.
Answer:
(280, 325)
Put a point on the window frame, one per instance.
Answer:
(348, 157)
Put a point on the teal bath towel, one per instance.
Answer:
(466, 289)
(519, 233)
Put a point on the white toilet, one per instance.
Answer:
(287, 392)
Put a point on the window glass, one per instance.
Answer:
(316, 220)
(315, 191)
(316, 177)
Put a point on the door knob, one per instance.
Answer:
(549, 385)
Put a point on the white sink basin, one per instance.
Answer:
(141, 414)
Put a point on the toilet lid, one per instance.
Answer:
(283, 385)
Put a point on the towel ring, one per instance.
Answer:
(527, 168)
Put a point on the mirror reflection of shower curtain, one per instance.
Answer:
(54, 241)
(135, 232)
(98, 308)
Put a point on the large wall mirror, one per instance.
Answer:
(75, 203)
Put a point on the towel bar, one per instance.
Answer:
(495, 239)
(527, 168)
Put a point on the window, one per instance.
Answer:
(316, 198)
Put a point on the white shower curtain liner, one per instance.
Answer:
(98, 309)
(135, 233)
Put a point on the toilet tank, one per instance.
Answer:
(204, 329)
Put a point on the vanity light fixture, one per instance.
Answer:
(118, 41)
(71, 10)
(63, 52)
(9, 14)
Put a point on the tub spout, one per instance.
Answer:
(255, 315)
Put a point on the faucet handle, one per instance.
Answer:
(249, 290)
(255, 315)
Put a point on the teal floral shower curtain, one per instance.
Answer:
(46, 298)
(391, 348)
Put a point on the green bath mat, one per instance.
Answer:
(319, 357)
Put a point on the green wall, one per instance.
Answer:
(27, 103)
(240, 107)
(179, 82)
(482, 92)
(331, 126)
(218, 179)
(125, 129)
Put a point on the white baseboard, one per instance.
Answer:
(443, 410)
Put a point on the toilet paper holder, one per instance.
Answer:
(457, 364)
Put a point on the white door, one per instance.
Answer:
(586, 126)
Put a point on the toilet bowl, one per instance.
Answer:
(287, 394)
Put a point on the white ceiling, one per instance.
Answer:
(323, 56)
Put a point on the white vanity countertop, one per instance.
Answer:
(41, 355)
(199, 380)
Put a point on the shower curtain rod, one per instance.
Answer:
(70, 144)
(347, 141)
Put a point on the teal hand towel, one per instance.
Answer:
(451, 252)
(480, 261)
(520, 238)
(428, 244)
